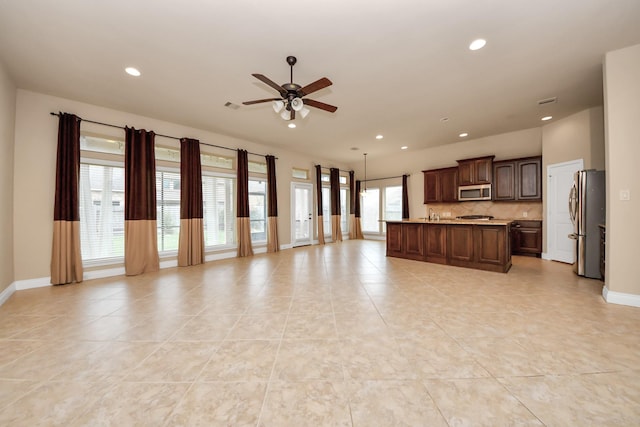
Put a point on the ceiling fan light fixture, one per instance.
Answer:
(297, 104)
(277, 106)
(304, 111)
(285, 114)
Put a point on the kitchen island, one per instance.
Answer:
(479, 244)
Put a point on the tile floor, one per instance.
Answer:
(337, 335)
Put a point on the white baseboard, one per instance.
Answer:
(102, 273)
(620, 298)
(39, 282)
(6, 294)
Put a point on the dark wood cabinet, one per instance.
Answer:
(394, 239)
(475, 171)
(460, 247)
(436, 243)
(413, 241)
(484, 247)
(518, 179)
(603, 243)
(529, 179)
(405, 240)
(526, 238)
(441, 185)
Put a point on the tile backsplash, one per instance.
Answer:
(500, 210)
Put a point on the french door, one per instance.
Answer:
(302, 217)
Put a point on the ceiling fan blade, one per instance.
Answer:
(258, 101)
(265, 79)
(315, 86)
(320, 105)
(293, 114)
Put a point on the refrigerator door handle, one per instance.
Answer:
(573, 236)
(573, 203)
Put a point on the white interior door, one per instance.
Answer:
(302, 218)
(559, 226)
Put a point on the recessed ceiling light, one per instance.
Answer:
(132, 71)
(404, 147)
(545, 118)
(444, 119)
(463, 134)
(291, 125)
(379, 136)
(477, 44)
(354, 148)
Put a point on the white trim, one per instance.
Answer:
(620, 298)
(372, 236)
(287, 246)
(6, 294)
(102, 273)
(220, 255)
(39, 282)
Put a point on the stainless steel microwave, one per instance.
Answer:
(474, 192)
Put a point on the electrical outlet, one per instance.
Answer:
(625, 195)
(525, 214)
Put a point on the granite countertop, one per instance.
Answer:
(455, 221)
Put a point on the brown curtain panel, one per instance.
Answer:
(356, 212)
(272, 206)
(191, 242)
(336, 228)
(140, 226)
(319, 199)
(66, 259)
(352, 205)
(243, 223)
(405, 198)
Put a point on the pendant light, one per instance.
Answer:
(364, 191)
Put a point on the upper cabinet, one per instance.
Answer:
(518, 179)
(475, 171)
(441, 185)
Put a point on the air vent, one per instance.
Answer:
(548, 101)
(232, 105)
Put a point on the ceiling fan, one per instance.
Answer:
(292, 95)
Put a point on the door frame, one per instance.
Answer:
(294, 240)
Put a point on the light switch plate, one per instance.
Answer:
(625, 195)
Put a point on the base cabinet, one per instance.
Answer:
(483, 247)
(526, 238)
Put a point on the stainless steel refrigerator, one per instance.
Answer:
(587, 210)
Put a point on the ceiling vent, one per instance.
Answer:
(548, 101)
(232, 105)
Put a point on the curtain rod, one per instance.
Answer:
(159, 134)
(325, 167)
(380, 179)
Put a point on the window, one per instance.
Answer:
(326, 210)
(219, 215)
(101, 210)
(258, 210)
(215, 161)
(344, 210)
(393, 203)
(343, 180)
(300, 173)
(370, 212)
(324, 177)
(256, 167)
(168, 210)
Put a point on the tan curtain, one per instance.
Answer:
(66, 259)
(405, 197)
(356, 213)
(140, 225)
(352, 205)
(243, 225)
(319, 199)
(272, 206)
(191, 242)
(336, 228)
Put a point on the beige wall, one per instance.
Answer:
(622, 111)
(35, 158)
(579, 136)
(7, 119)
(510, 145)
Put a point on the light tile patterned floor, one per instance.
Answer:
(334, 335)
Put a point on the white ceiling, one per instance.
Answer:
(397, 67)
